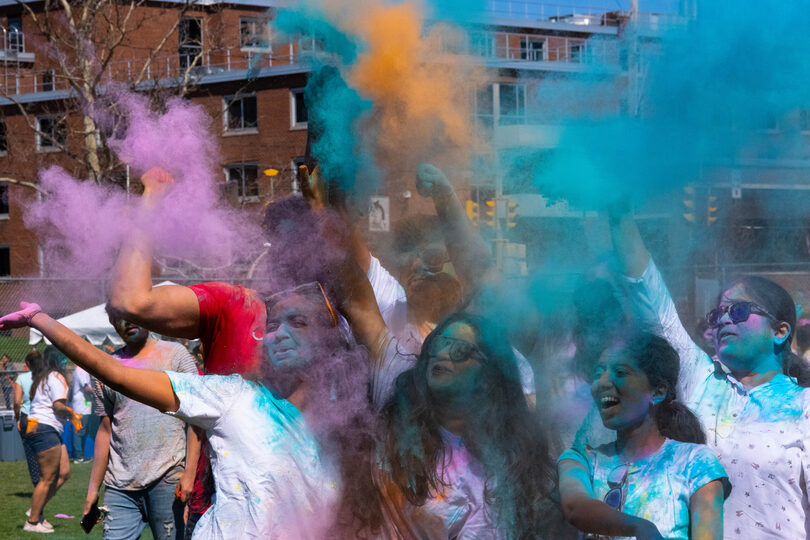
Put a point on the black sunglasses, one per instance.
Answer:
(458, 349)
(738, 312)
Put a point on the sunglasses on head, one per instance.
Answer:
(458, 349)
(313, 288)
(738, 312)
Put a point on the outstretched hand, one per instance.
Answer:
(20, 319)
(431, 181)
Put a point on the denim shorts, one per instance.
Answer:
(43, 438)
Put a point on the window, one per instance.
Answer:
(5, 261)
(482, 44)
(484, 107)
(310, 45)
(575, 52)
(532, 49)
(254, 33)
(804, 119)
(51, 133)
(240, 113)
(245, 176)
(190, 35)
(512, 102)
(16, 40)
(4, 200)
(3, 138)
(47, 81)
(298, 109)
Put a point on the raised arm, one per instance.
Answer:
(171, 310)
(358, 304)
(590, 515)
(147, 386)
(706, 512)
(468, 251)
(631, 252)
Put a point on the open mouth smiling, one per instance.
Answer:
(607, 402)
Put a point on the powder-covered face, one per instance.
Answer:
(132, 334)
(741, 344)
(449, 371)
(295, 326)
(621, 390)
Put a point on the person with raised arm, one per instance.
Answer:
(462, 455)
(750, 398)
(288, 450)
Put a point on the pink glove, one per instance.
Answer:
(20, 319)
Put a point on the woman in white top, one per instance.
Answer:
(22, 406)
(290, 451)
(750, 398)
(46, 420)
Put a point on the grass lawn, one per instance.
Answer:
(15, 499)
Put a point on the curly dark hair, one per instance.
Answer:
(503, 433)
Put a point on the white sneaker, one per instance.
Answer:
(47, 525)
(37, 528)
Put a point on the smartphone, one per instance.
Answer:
(90, 519)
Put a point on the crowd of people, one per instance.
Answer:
(341, 399)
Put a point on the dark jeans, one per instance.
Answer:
(30, 455)
(130, 511)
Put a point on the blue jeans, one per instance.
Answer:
(131, 510)
(79, 437)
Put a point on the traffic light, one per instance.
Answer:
(472, 211)
(492, 218)
(689, 203)
(711, 210)
(511, 214)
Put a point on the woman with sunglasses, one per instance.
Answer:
(657, 479)
(750, 398)
(288, 459)
(462, 455)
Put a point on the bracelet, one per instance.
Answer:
(31, 316)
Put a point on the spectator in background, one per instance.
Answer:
(6, 381)
(140, 453)
(22, 408)
(46, 421)
(81, 402)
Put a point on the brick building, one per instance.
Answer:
(251, 85)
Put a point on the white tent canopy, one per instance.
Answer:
(91, 324)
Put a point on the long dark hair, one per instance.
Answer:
(660, 363)
(41, 365)
(778, 302)
(501, 431)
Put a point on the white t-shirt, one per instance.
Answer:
(657, 488)
(761, 435)
(80, 402)
(271, 479)
(53, 388)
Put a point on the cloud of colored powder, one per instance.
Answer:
(82, 224)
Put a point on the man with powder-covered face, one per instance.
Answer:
(140, 453)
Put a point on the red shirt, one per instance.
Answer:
(232, 322)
